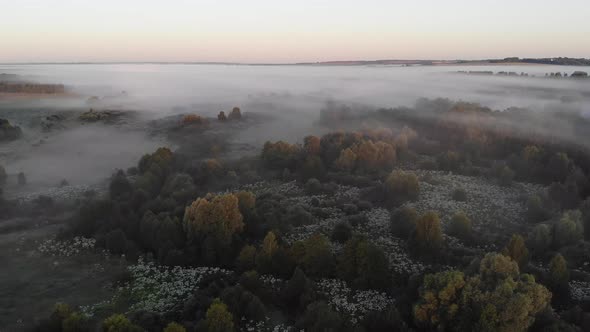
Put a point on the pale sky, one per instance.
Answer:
(290, 31)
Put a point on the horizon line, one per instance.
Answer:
(333, 62)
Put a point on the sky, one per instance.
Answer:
(295, 31)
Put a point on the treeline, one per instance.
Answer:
(31, 88)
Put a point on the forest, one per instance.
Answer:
(444, 216)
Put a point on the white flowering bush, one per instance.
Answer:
(67, 248)
(489, 205)
(354, 303)
(158, 289)
(580, 290)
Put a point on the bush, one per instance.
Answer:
(517, 250)
(403, 222)
(535, 209)
(218, 318)
(558, 273)
(221, 116)
(320, 317)
(119, 323)
(174, 327)
(427, 238)
(116, 241)
(76, 322)
(364, 265)
(3, 176)
(317, 259)
(401, 186)
(569, 229)
(22, 179)
(461, 226)
(540, 239)
(459, 194)
(236, 114)
(341, 232)
(246, 259)
(313, 186)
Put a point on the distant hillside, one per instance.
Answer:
(563, 61)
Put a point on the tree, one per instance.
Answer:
(363, 264)
(174, 327)
(559, 273)
(461, 226)
(236, 114)
(272, 258)
(585, 209)
(517, 250)
(427, 237)
(119, 323)
(319, 317)
(346, 161)
(440, 295)
(218, 318)
(246, 202)
(401, 186)
(22, 179)
(403, 221)
(280, 154)
(317, 258)
(120, 187)
(312, 167)
(535, 209)
(221, 116)
(540, 239)
(341, 232)
(246, 259)
(299, 290)
(3, 176)
(498, 298)
(159, 162)
(569, 229)
(213, 215)
(312, 145)
(76, 322)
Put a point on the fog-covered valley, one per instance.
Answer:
(296, 196)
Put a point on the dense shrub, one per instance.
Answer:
(341, 232)
(536, 209)
(459, 194)
(363, 265)
(3, 176)
(540, 239)
(403, 222)
(218, 318)
(236, 114)
(558, 274)
(569, 229)
(119, 323)
(427, 237)
(401, 186)
(461, 226)
(21, 179)
(516, 249)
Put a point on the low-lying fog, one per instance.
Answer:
(294, 94)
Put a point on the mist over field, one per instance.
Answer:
(292, 95)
